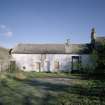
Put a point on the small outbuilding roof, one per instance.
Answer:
(51, 49)
(100, 39)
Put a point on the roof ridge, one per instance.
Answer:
(40, 43)
(100, 37)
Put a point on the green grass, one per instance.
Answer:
(23, 89)
(48, 75)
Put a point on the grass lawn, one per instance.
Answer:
(50, 89)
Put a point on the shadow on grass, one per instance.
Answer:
(54, 93)
(74, 89)
(78, 90)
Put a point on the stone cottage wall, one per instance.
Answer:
(48, 62)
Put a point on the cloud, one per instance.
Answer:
(8, 33)
(5, 31)
(2, 26)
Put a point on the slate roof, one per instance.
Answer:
(51, 49)
(99, 39)
(39, 48)
(79, 49)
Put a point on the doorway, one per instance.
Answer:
(75, 63)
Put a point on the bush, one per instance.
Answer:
(99, 58)
(87, 69)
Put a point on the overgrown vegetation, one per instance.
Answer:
(97, 69)
(99, 56)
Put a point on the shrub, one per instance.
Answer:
(99, 58)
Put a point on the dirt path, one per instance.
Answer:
(63, 81)
(51, 86)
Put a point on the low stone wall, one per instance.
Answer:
(4, 65)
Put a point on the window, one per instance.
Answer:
(47, 66)
(56, 65)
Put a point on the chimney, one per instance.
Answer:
(67, 42)
(67, 46)
(93, 35)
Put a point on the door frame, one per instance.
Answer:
(78, 58)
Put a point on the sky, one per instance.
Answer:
(50, 21)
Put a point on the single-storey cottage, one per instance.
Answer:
(54, 57)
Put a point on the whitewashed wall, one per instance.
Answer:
(29, 60)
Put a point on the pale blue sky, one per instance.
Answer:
(50, 21)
